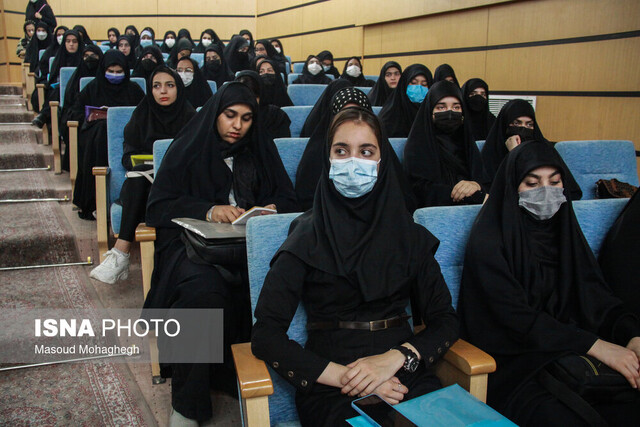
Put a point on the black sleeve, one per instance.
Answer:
(440, 319)
(132, 143)
(49, 17)
(77, 110)
(276, 307)
(431, 194)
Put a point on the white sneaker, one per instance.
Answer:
(176, 419)
(114, 267)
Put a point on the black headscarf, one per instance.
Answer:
(83, 70)
(144, 67)
(273, 89)
(131, 58)
(398, 112)
(164, 48)
(198, 92)
(218, 72)
(444, 71)
(360, 81)
(194, 176)
(237, 61)
(152, 33)
(83, 33)
(181, 44)
(532, 290)
(320, 114)
(344, 237)
(434, 157)
(308, 78)
(494, 149)
(251, 40)
(477, 113)
(381, 90)
(135, 38)
(280, 56)
(310, 166)
(45, 10)
(215, 40)
(272, 54)
(64, 58)
(51, 52)
(325, 54)
(113, 45)
(33, 48)
(151, 121)
(102, 92)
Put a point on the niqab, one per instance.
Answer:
(218, 72)
(481, 121)
(143, 70)
(237, 61)
(274, 91)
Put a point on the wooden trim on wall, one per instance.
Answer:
(285, 9)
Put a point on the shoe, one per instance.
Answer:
(176, 419)
(114, 267)
(37, 122)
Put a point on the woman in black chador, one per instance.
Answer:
(214, 170)
(110, 88)
(387, 81)
(40, 10)
(532, 292)
(312, 73)
(475, 94)
(355, 257)
(441, 158)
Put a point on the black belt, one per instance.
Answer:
(373, 325)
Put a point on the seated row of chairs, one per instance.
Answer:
(298, 115)
(309, 94)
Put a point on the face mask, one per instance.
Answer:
(524, 133)
(353, 177)
(326, 68)
(114, 78)
(447, 121)
(417, 93)
(59, 38)
(145, 43)
(477, 103)
(206, 42)
(353, 70)
(278, 49)
(268, 79)
(41, 35)
(542, 202)
(91, 62)
(314, 68)
(33, 1)
(170, 42)
(187, 78)
(148, 64)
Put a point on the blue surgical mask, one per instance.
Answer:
(353, 177)
(146, 42)
(542, 202)
(114, 78)
(326, 68)
(417, 93)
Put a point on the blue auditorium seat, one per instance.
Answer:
(213, 85)
(297, 115)
(291, 150)
(159, 149)
(199, 58)
(139, 80)
(590, 161)
(40, 53)
(65, 75)
(596, 218)
(293, 76)
(376, 110)
(374, 78)
(305, 94)
(297, 67)
(398, 146)
(104, 47)
(480, 144)
(366, 90)
(165, 56)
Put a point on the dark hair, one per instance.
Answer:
(251, 83)
(357, 115)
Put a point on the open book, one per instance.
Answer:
(254, 211)
(211, 230)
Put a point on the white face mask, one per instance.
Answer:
(314, 68)
(59, 38)
(353, 71)
(278, 49)
(206, 42)
(170, 42)
(187, 78)
(41, 35)
(326, 68)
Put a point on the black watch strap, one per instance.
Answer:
(411, 360)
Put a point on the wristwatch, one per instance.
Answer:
(411, 360)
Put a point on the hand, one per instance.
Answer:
(271, 206)
(225, 213)
(634, 345)
(464, 189)
(512, 142)
(38, 15)
(366, 374)
(619, 358)
(392, 391)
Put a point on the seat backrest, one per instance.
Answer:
(366, 90)
(51, 62)
(590, 161)
(596, 218)
(137, 80)
(65, 75)
(376, 109)
(374, 78)
(291, 150)
(305, 94)
(159, 149)
(104, 47)
(199, 58)
(297, 115)
(84, 81)
(265, 234)
(480, 144)
(165, 56)
(213, 85)
(291, 77)
(297, 67)
(398, 146)
(117, 119)
(40, 53)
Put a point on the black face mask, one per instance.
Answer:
(269, 79)
(524, 133)
(213, 64)
(477, 103)
(91, 62)
(447, 121)
(149, 64)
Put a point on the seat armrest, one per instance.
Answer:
(100, 170)
(253, 376)
(145, 233)
(470, 359)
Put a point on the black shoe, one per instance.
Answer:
(37, 122)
